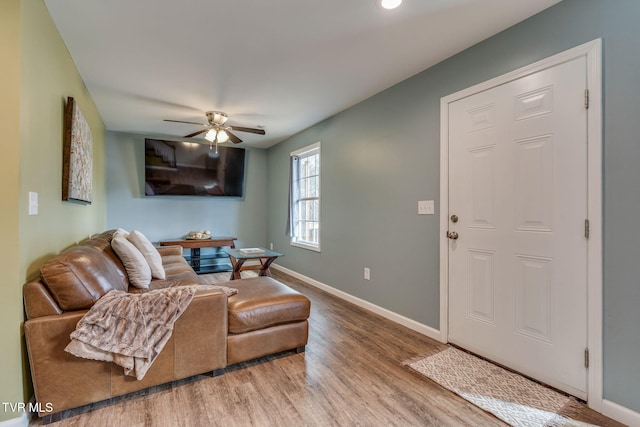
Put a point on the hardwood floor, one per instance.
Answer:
(351, 374)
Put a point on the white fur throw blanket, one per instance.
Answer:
(131, 329)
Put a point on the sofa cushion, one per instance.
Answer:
(102, 242)
(77, 277)
(149, 252)
(134, 262)
(181, 279)
(262, 302)
(179, 272)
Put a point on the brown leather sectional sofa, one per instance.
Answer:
(215, 331)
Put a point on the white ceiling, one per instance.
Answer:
(281, 64)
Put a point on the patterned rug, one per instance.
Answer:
(507, 395)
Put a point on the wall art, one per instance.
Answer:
(77, 155)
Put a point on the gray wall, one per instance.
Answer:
(166, 217)
(381, 156)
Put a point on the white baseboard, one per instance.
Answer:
(21, 421)
(620, 413)
(395, 317)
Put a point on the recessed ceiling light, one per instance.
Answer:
(390, 4)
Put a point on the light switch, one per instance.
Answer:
(33, 203)
(426, 207)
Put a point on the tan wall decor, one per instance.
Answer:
(77, 155)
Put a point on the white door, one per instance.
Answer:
(518, 186)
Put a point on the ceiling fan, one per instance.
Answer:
(216, 130)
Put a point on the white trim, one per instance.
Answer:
(394, 317)
(592, 51)
(305, 246)
(595, 319)
(620, 413)
(444, 220)
(21, 421)
(304, 150)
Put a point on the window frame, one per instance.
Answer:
(308, 151)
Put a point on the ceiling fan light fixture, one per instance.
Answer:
(223, 136)
(211, 135)
(215, 130)
(390, 4)
(217, 117)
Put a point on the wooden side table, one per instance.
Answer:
(194, 246)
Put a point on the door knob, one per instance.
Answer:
(452, 235)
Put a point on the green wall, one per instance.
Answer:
(36, 77)
(11, 313)
(381, 156)
(49, 76)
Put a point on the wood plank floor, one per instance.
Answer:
(350, 375)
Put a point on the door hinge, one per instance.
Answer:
(586, 228)
(586, 99)
(586, 357)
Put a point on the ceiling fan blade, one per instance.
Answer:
(181, 121)
(233, 138)
(191, 135)
(250, 130)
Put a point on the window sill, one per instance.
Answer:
(305, 246)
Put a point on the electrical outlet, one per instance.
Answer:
(270, 246)
(367, 274)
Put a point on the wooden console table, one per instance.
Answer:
(196, 259)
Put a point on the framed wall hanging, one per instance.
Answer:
(77, 155)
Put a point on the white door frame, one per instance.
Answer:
(592, 51)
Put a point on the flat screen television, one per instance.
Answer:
(179, 168)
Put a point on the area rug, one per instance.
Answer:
(511, 397)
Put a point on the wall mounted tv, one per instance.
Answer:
(177, 168)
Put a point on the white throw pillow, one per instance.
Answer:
(134, 262)
(120, 232)
(149, 252)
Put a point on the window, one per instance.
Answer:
(304, 198)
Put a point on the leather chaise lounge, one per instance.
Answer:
(215, 331)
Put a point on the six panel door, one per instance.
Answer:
(518, 185)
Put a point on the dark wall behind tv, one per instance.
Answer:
(165, 217)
